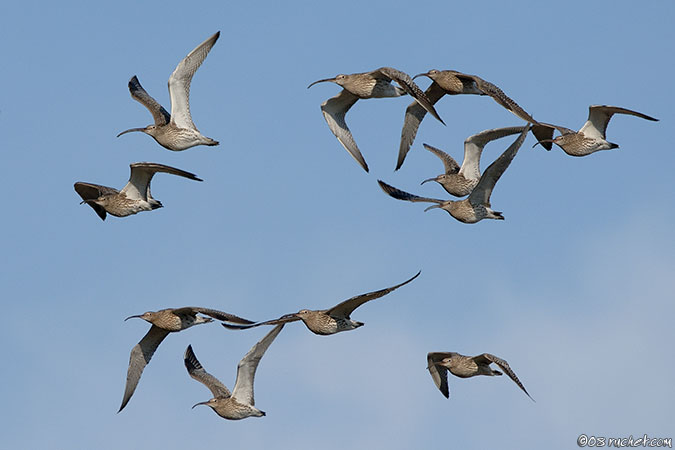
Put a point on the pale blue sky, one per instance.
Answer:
(575, 288)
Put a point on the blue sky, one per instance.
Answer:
(575, 288)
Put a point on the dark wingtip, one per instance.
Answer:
(385, 187)
(124, 403)
(235, 327)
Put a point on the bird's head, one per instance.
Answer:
(339, 79)
(439, 179)
(544, 141)
(212, 403)
(150, 130)
(147, 316)
(431, 74)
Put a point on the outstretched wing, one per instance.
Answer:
(218, 315)
(414, 114)
(598, 118)
(488, 358)
(449, 162)
(499, 96)
(481, 193)
(402, 195)
(473, 148)
(243, 388)
(408, 85)
(197, 372)
(180, 79)
(89, 191)
(345, 308)
(439, 373)
(281, 320)
(334, 110)
(159, 114)
(138, 187)
(139, 358)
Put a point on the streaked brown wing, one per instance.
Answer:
(413, 117)
(197, 372)
(408, 85)
(345, 308)
(481, 193)
(243, 387)
(138, 186)
(599, 116)
(334, 110)
(139, 358)
(219, 315)
(90, 191)
(500, 97)
(449, 162)
(283, 319)
(487, 357)
(439, 373)
(159, 114)
(402, 195)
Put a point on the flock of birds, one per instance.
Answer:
(177, 132)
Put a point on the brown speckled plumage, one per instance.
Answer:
(452, 82)
(135, 197)
(175, 131)
(374, 84)
(439, 363)
(591, 137)
(163, 322)
(240, 404)
(477, 206)
(460, 181)
(328, 321)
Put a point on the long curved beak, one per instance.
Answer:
(130, 130)
(321, 81)
(421, 75)
(200, 403)
(433, 206)
(132, 317)
(429, 179)
(542, 141)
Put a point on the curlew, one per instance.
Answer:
(477, 206)
(375, 84)
(134, 197)
(164, 322)
(240, 404)
(328, 321)
(439, 363)
(591, 137)
(460, 181)
(176, 131)
(452, 82)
